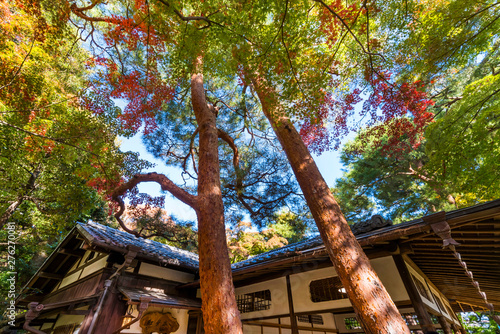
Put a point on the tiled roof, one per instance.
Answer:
(160, 297)
(376, 222)
(288, 250)
(107, 236)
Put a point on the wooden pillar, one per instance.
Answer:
(423, 316)
(445, 326)
(113, 310)
(459, 329)
(293, 318)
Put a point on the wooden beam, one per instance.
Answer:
(76, 312)
(50, 275)
(423, 316)
(293, 318)
(278, 325)
(72, 252)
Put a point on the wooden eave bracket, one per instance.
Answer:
(143, 306)
(441, 228)
(129, 257)
(34, 310)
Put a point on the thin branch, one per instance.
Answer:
(20, 66)
(349, 29)
(165, 183)
(79, 11)
(204, 19)
(57, 140)
(286, 49)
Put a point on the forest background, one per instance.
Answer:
(428, 99)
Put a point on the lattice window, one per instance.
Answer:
(439, 303)
(254, 301)
(66, 329)
(421, 288)
(411, 319)
(312, 319)
(90, 257)
(327, 289)
(352, 323)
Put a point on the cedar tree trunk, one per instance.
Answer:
(220, 312)
(375, 309)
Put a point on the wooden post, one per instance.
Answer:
(445, 326)
(423, 316)
(293, 318)
(459, 329)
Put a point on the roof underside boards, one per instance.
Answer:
(108, 237)
(479, 249)
(476, 228)
(160, 298)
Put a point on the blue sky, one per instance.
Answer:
(328, 163)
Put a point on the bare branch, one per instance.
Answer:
(165, 183)
(79, 11)
(349, 29)
(229, 140)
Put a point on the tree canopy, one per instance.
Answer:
(426, 70)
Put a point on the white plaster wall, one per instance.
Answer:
(385, 268)
(429, 303)
(165, 273)
(180, 315)
(389, 275)
(328, 322)
(279, 299)
(47, 325)
(66, 319)
(70, 279)
(94, 267)
(252, 329)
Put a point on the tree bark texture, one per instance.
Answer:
(220, 312)
(375, 309)
(28, 188)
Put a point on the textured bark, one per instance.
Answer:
(370, 300)
(29, 188)
(10, 211)
(220, 312)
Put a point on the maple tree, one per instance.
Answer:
(456, 163)
(124, 75)
(50, 145)
(296, 58)
(282, 228)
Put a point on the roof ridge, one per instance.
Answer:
(108, 236)
(139, 238)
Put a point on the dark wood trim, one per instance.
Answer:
(50, 275)
(73, 252)
(85, 265)
(137, 267)
(293, 318)
(75, 312)
(399, 304)
(99, 272)
(445, 326)
(278, 325)
(418, 305)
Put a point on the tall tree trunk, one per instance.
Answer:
(370, 300)
(28, 188)
(10, 210)
(220, 312)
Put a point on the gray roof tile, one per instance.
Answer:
(105, 235)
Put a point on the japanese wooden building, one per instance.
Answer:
(104, 281)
